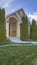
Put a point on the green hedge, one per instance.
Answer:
(33, 32)
(24, 28)
(2, 25)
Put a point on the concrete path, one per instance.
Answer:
(18, 40)
(15, 39)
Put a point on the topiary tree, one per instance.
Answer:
(36, 31)
(24, 28)
(33, 32)
(2, 25)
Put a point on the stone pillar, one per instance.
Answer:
(7, 28)
(18, 29)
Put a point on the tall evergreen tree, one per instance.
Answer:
(24, 28)
(33, 30)
(2, 25)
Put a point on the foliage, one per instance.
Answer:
(2, 25)
(24, 28)
(33, 32)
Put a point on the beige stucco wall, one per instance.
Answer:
(18, 29)
(16, 15)
(7, 28)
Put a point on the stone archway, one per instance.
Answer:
(12, 27)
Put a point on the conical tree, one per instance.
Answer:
(24, 28)
(33, 30)
(2, 25)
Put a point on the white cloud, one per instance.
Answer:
(32, 16)
(7, 5)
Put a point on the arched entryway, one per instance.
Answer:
(12, 27)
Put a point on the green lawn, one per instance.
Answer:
(18, 55)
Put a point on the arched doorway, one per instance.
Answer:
(12, 27)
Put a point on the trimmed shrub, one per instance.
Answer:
(33, 32)
(2, 25)
(24, 28)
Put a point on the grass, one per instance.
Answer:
(18, 55)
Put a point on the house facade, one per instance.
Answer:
(13, 23)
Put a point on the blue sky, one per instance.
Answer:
(29, 6)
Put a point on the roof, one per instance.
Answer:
(16, 11)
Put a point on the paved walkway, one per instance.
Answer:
(18, 40)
